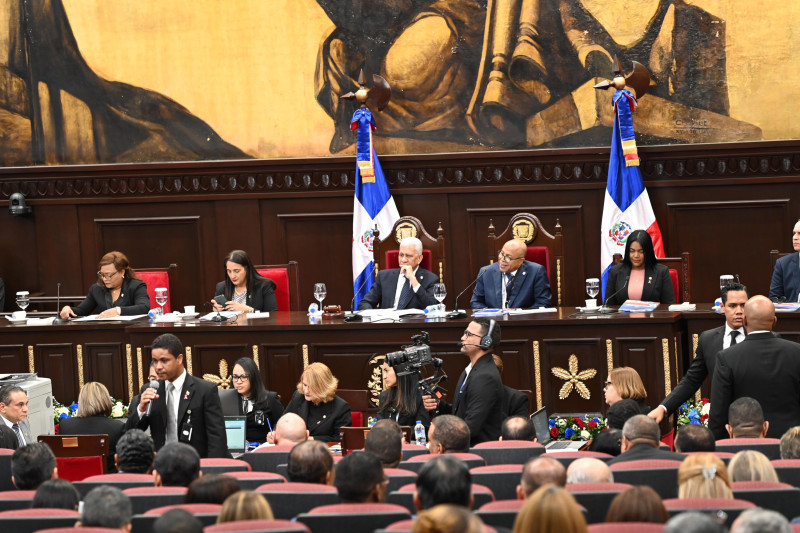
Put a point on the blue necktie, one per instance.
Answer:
(405, 295)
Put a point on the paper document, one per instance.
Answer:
(121, 318)
(531, 311)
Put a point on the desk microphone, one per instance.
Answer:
(356, 317)
(604, 309)
(220, 299)
(463, 314)
(58, 319)
(152, 385)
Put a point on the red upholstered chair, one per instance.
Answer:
(78, 456)
(680, 271)
(219, 465)
(626, 527)
(160, 277)
(5, 469)
(145, 498)
(287, 281)
(410, 450)
(416, 463)
(780, 497)
(544, 248)
(501, 479)
(257, 526)
(121, 481)
(498, 452)
(78, 530)
(596, 497)
(769, 447)
(253, 480)
(433, 250)
(732, 508)
(30, 520)
(660, 474)
(404, 496)
(268, 458)
(398, 478)
(352, 517)
(207, 513)
(500, 513)
(359, 403)
(292, 498)
(565, 458)
(788, 470)
(16, 499)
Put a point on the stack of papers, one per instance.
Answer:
(123, 318)
(787, 306)
(634, 306)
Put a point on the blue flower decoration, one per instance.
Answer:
(693, 414)
(73, 407)
(696, 421)
(596, 420)
(568, 433)
(552, 423)
(62, 416)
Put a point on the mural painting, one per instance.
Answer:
(91, 81)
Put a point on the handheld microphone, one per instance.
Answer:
(58, 319)
(356, 317)
(463, 314)
(604, 309)
(152, 385)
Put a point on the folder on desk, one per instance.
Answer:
(634, 306)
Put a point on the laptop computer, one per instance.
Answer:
(542, 426)
(236, 432)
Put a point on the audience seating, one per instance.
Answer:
(660, 474)
(416, 463)
(207, 513)
(596, 497)
(410, 450)
(504, 452)
(503, 513)
(290, 499)
(253, 480)
(732, 508)
(257, 526)
(626, 527)
(267, 459)
(287, 284)
(780, 497)
(433, 249)
(121, 481)
(408, 525)
(359, 403)
(565, 458)
(78, 530)
(219, 465)
(788, 470)
(353, 437)
(501, 479)
(398, 477)
(769, 447)
(404, 496)
(16, 499)
(5, 469)
(352, 517)
(161, 277)
(78, 456)
(145, 498)
(30, 520)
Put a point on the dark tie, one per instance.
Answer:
(509, 277)
(21, 440)
(405, 295)
(734, 334)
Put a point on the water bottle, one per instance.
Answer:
(419, 433)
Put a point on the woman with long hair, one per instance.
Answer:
(704, 475)
(639, 276)
(550, 509)
(248, 397)
(244, 289)
(750, 465)
(400, 399)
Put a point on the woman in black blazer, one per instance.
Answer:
(244, 289)
(400, 400)
(118, 291)
(315, 401)
(94, 408)
(262, 408)
(639, 269)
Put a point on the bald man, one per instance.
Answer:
(512, 281)
(589, 470)
(763, 367)
(290, 430)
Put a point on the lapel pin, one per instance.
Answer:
(186, 396)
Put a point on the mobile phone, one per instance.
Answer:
(220, 299)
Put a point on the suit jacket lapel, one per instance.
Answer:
(186, 396)
(519, 280)
(459, 385)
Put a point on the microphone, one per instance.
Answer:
(463, 314)
(356, 317)
(58, 319)
(152, 385)
(220, 299)
(604, 309)
(462, 344)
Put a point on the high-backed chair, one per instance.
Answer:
(358, 399)
(544, 248)
(287, 284)
(161, 277)
(433, 250)
(680, 271)
(774, 255)
(501, 479)
(78, 456)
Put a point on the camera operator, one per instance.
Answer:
(400, 399)
(479, 392)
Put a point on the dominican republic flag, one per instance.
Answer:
(627, 205)
(373, 205)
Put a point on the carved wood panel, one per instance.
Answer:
(54, 361)
(13, 358)
(106, 363)
(585, 354)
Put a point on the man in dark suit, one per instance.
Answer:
(641, 439)
(712, 341)
(512, 281)
(763, 367)
(785, 284)
(479, 391)
(185, 408)
(14, 413)
(407, 287)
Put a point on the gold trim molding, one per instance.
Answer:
(141, 368)
(189, 360)
(80, 366)
(305, 355)
(537, 370)
(695, 341)
(31, 367)
(558, 279)
(665, 356)
(255, 357)
(129, 364)
(609, 355)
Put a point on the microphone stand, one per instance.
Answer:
(58, 319)
(604, 309)
(456, 313)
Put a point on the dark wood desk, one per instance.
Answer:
(532, 345)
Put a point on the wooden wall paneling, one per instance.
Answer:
(321, 242)
(105, 362)
(735, 237)
(13, 358)
(156, 242)
(58, 251)
(59, 359)
(20, 266)
(646, 355)
(281, 366)
(556, 352)
(214, 362)
(237, 225)
(517, 359)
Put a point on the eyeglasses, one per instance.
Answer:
(507, 257)
(103, 275)
(401, 255)
(243, 377)
(468, 334)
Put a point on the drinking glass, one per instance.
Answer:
(23, 299)
(439, 292)
(724, 280)
(161, 298)
(320, 292)
(592, 287)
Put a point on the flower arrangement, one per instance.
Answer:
(694, 412)
(118, 410)
(576, 428)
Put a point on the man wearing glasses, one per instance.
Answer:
(478, 395)
(512, 282)
(407, 287)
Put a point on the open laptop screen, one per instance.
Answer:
(235, 430)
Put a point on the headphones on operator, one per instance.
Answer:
(486, 341)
